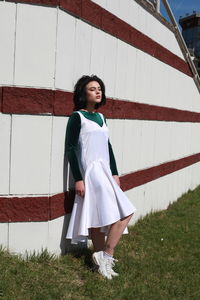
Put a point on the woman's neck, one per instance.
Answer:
(89, 109)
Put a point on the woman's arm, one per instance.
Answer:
(72, 136)
(113, 165)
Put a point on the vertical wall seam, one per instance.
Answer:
(15, 41)
(8, 236)
(56, 45)
(122, 151)
(54, 87)
(75, 45)
(115, 70)
(91, 37)
(104, 56)
(10, 154)
(50, 169)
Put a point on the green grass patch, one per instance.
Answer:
(158, 259)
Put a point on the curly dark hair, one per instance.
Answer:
(79, 97)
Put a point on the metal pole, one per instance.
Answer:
(158, 6)
(182, 44)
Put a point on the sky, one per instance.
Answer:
(181, 7)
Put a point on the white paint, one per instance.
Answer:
(4, 235)
(7, 37)
(110, 64)
(24, 237)
(57, 242)
(147, 145)
(140, 77)
(136, 137)
(158, 194)
(30, 154)
(136, 16)
(141, 144)
(69, 49)
(121, 71)
(102, 3)
(159, 84)
(131, 73)
(117, 135)
(147, 198)
(151, 143)
(98, 52)
(82, 51)
(5, 126)
(128, 150)
(113, 6)
(35, 46)
(78, 48)
(55, 236)
(65, 51)
(57, 183)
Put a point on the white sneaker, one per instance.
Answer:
(112, 262)
(104, 264)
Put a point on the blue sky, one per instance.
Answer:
(181, 7)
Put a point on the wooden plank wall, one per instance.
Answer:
(49, 55)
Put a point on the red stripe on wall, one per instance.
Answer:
(1, 99)
(35, 209)
(140, 177)
(38, 209)
(104, 20)
(27, 100)
(38, 2)
(17, 100)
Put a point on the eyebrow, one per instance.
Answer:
(94, 87)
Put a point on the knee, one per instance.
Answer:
(127, 219)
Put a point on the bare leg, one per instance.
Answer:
(114, 234)
(98, 239)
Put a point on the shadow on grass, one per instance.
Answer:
(86, 254)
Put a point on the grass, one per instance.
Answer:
(159, 259)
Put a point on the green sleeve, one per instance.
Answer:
(113, 165)
(72, 136)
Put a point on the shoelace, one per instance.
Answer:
(110, 264)
(113, 260)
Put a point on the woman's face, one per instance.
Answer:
(93, 92)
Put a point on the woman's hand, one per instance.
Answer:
(116, 177)
(80, 188)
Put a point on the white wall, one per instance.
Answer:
(7, 34)
(5, 130)
(33, 150)
(152, 196)
(158, 194)
(135, 15)
(53, 53)
(52, 57)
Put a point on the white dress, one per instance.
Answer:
(104, 202)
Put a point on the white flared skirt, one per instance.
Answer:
(104, 203)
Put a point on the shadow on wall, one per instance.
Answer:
(68, 189)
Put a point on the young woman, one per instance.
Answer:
(101, 208)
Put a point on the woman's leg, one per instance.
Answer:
(114, 234)
(98, 239)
